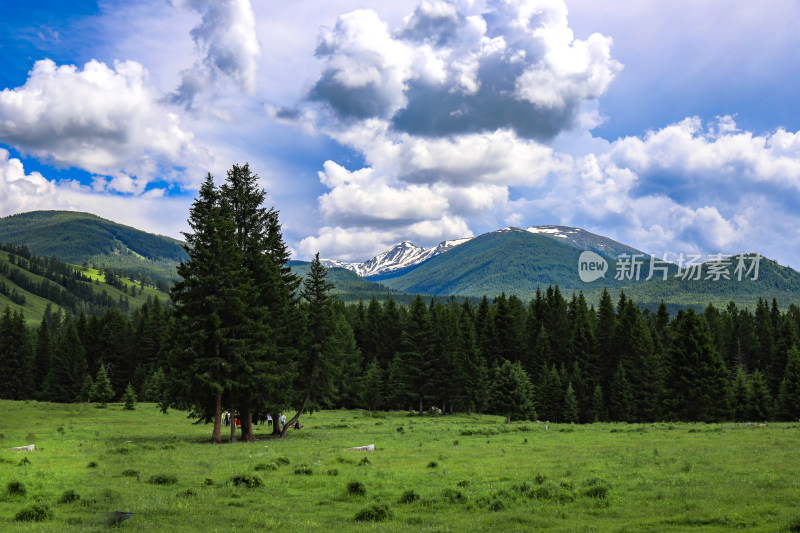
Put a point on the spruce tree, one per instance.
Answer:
(696, 382)
(68, 369)
(788, 403)
(129, 398)
(759, 398)
(416, 355)
(571, 412)
(102, 391)
(512, 393)
(16, 357)
(739, 394)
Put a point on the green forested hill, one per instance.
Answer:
(83, 238)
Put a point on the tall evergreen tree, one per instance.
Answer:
(512, 393)
(416, 354)
(16, 357)
(788, 403)
(68, 369)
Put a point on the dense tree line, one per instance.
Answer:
(554, 359)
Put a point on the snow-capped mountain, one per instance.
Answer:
(406, 254)
(399, 256)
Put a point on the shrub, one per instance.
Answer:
(497, 506)
(364, 461)
(356, 488)
(408, 496)
(130, 473)
(35, 513)
(207, 482)
(129, 398)
(162, 479)
(247, 480)
(794, 525)
(433, 464)
(333, 472)
(282, 461)
(187, 493)
(539, 478)
(463, 483)
(303, 470)
(24, 462)
(596, 488)
(453, 496)
(265, 466)
(374, 513)
(92, 464)
(16, 488)
(69, 496)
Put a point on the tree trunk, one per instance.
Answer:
(276, 425)
(216, 435)
(420, 405)
(295, 417)
(233, 426)
(247, 427)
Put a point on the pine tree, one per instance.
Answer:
(738, 395)
(759, 399)
(68, 369)
(598, 412)
(512, 393)
(571, 412)
(16, 357)
(696, 384)
(621, 399)
(86, 393)
(372, 392)
(788, 403)
(102, 391)
(416, 358)
(129, 398)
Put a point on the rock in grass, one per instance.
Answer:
(28, 448)
(367, 448)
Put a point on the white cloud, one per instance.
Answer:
(22, 192)
(227, 42)
(106, 121)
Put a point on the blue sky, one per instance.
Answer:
(669, 126)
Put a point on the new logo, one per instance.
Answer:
(591, 266)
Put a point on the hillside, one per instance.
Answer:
(83, 238)
(29, 284)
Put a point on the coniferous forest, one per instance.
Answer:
(242, 333)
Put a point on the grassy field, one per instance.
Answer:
(431, 473)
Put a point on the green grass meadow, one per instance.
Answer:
(430, 473)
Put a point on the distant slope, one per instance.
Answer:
(584, 240)
(82, 237)
(350, 287)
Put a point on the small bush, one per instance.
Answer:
(374, 513)
(356, 488)
(207, 482)
(168, 446)
(364, 462)
(92, 464)
(16, 488)
(463, 483)
(187, 493)
(281, 461)
(596, 488)
(333, 472)
(247, 480)
(408, 496)
(433, 464)
(34, 513)
(794, 525)
(265, 466)
(400, 429)
(162, 479)
(303, 470)
(539, 478)
(542, 492)
(130, 473)
(453, 496)
(24, 462)
(69, 496)
(497, 506)
(60, 429)
(522, 488)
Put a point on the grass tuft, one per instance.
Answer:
(303, 470)
(130, 473)
(374, 513)
(333, 472)
(16, 488)
(37, 512)
(364, 462)
(163, 479)
(92, 464)
(280, 461)
(247, 480)
(24, 462)
(356, 488)
(408, 496)
(265, 466)
(69, 496)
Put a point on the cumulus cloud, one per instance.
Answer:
(105, 120)
(515, 65)
(227, 42)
